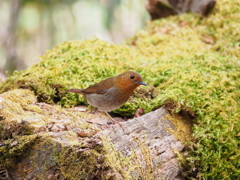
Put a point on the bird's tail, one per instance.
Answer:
(75, 91)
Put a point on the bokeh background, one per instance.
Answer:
(28, 28)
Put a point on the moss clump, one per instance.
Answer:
(76, 65)
(190, 61)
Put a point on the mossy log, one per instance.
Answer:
(164, 8)
(41, 141)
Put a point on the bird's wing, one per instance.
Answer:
(100, 88)
(94, 89)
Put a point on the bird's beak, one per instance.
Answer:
(142, 83)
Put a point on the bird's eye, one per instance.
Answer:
(132, 76)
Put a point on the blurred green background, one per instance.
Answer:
(28, 28)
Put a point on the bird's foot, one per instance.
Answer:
(113, 121)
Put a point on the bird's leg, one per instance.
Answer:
(114, 122)
(95, 111)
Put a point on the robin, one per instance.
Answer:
(111, 93)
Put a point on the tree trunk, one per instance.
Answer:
(11, 41)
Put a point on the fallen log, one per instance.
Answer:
(42, 141)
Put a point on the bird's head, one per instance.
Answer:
(129, 80)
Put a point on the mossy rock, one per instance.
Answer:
(186, 60)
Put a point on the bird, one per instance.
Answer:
(111, 93)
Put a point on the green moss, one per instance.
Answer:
(16, 149)
(189, 60)
(182, 130)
